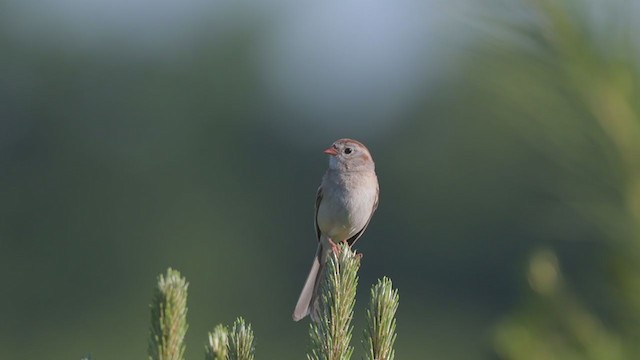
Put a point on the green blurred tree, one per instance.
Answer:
(600, 80)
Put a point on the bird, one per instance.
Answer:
(345, 202)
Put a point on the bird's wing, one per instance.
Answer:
(315, 218)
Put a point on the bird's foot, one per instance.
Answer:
(334, 247)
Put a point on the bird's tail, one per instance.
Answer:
(308, 296)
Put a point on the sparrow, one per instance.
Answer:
(345, 202)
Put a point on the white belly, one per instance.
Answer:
(342, 213)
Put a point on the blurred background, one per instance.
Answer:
(140, 135)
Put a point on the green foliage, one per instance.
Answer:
(168, 318)
(237, 344)
(555, 324)
(331, 333)
(217, 347)
(602, 81)
(380, 333)
(241, 341)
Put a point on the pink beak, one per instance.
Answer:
(331, 151)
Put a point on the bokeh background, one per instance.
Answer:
(138, 135)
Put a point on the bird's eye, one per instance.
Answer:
(348, 151)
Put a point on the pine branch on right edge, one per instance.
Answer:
(380, 334)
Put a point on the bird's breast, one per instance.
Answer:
(346, 206)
